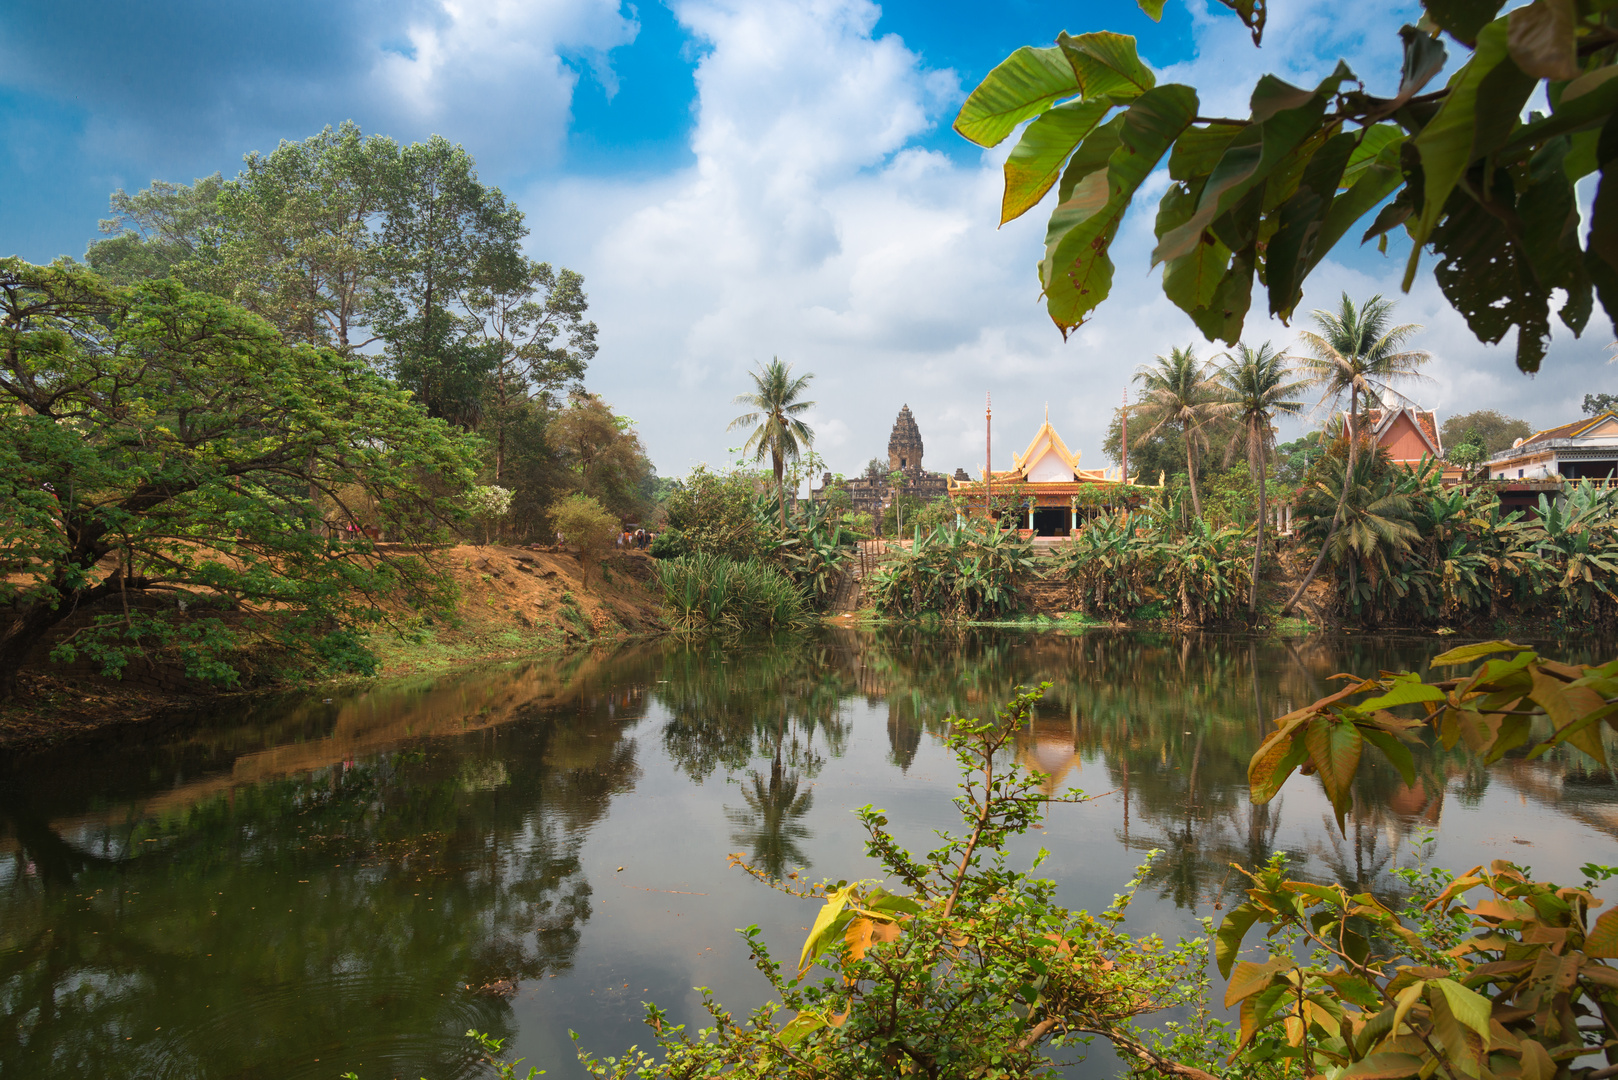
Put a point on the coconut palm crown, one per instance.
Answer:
(1183, 393)
(1357, 354)
(775, 410)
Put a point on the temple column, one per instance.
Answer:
(1073, 520)
(1030, 516)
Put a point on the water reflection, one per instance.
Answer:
(540, 847)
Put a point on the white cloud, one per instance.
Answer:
(495, 67)
(812, 227)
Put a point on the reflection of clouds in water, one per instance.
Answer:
(477, 834)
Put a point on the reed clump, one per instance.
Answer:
(707, 591)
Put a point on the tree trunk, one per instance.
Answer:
(1258, 548)
(1342, 499)
(1191, 474)
(780, 487)
(19, 637)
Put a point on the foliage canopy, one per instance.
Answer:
(1266, 197)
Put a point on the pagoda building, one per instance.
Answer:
(1045, 488)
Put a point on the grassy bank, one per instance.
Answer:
(513, 604)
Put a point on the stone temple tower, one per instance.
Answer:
(904, 445)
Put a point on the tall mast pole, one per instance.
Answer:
(988, 459)
(1123, 441)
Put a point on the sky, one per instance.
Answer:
(736, 180)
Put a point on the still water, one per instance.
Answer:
(303, 888)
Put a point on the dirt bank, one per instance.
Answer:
(514, 603)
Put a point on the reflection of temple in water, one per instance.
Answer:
(904, 735)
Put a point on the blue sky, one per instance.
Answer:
(735, 180)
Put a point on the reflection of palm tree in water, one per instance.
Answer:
(770, 824)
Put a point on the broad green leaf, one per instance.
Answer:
(1091, 157)
(882, 900)
(821, 935)
(1335, 747)
(1602, 940)
(1384, 1066)
(1024, 84)
(1407, 689)
(1285, 116)
(1256, 1011)
(1289, 253)
(802, 1025)
(1467, 1006)
(1449, 1031)
(1463, 19)
(1468, 653)
(1153, 9)
(1077, 271)
(1106, 65)
(1486, 276)
(1199, 149)
(1191, 280)
(1353, 988)
(1222, 317)
(1372, 142)
(1228, 940)
(1445, 144)
(1540, 39)
(1397, 753)
(1549, 236)
(1036, 161)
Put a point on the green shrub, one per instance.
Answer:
(586, 525)
(1120, 566)
(669, 544)
(703, 591)
(958, 573)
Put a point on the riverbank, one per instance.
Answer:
(514, 603)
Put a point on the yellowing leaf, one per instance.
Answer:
(1384, 1066)
(816, 943)
(805, 1023)
(1250, 978)
(1467, 653)
(1602, 940)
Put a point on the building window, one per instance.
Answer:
(1519, 474)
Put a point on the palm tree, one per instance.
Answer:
(1258, 383)
(1181, 393)
(1358, 354)
(775, 408)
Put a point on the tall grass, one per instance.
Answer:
(703, 591)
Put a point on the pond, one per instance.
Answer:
(311, 886)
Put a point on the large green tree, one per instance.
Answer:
(777, 407)
(1259, 384)
(444, 236)
(1476, 177)
(533, 330)
(160, 442)
(1495, 432)
(347, 240)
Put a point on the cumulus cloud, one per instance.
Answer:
(813, 226)
(168, 84)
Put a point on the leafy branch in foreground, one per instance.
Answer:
(973, 970)
(1521, 702)
(1268, 196)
